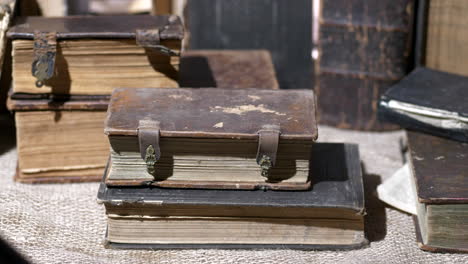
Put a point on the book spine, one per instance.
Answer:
(364, 48)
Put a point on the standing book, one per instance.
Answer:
(364, 48)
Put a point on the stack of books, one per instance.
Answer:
(64, 70)
(182, 167)
(227, 168)
(432, 105)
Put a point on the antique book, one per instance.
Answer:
(227, 69)
(328, 216)
(91, 55)
(60, 141)
(430, 101)
(440, 175)
(364, 48)
(282, 27)
(446, 36)
(223, 138)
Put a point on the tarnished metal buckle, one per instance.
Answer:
(148, 138)
(45, 49)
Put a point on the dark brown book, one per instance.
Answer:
(91, 55)
(230, 69)
(60, 141)
(440, 174)
(328, 216)
(211, 138)
(364, 48)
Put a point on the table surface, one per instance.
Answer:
(54, 223)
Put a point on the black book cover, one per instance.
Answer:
(429, 101)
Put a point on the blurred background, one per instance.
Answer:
(349, 51)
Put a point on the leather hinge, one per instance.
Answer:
(45, 51)
(148, 139)
(150, 38)
(268, 140)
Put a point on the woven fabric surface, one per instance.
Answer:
(64, 224)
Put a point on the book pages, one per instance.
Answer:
(397, 191)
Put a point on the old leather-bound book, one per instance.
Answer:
(223, 138)
(227, 69)
(431, 101)
(91, 55)
(328, 216)
(440, 177)
(364, 48)
(60, 141)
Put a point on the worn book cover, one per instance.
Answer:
(440, 174)
(328, 216)
(222, 138)
(364, 48)
(91, 55)
(430, 101)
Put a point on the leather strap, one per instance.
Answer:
(148, 138)
(150, 38)
(268, 141)
(45, 49)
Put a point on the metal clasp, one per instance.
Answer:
(45, 50)
(150, 38)
(268, 141)
(148, 138)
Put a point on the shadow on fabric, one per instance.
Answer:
(375, 221)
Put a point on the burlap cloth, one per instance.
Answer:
(64, 224)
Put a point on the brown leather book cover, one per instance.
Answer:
(266, 123)
(440, 167)
(195, 112)
(79, 27)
